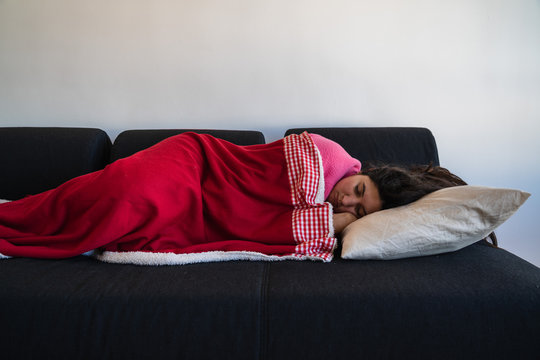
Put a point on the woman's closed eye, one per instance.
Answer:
(360, 191)
(360, 211)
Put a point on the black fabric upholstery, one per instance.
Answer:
(81, 308)
(38, 159)
(129, 142)
(389, 145)
(476, 303)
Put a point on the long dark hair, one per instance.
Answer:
(400, 185)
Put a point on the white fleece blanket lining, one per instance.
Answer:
(151, 258)
(319, 198)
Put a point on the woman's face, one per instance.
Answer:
(355, 194)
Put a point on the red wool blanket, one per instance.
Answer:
(190, 198)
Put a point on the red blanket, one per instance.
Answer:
(189, 198)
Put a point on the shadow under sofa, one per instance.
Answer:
(478, 302)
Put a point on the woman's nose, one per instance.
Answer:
(348, 204)
(349, 200)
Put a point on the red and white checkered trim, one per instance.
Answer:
(312, 218)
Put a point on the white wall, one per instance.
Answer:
(467, 69)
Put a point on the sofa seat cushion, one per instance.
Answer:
(478, 302)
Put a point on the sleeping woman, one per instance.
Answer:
(196, 198)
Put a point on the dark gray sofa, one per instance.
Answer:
(479, 302)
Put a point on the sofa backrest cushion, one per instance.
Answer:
(383, 145)
(130, 141)
(35, 159)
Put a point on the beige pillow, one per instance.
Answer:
(445, 220)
